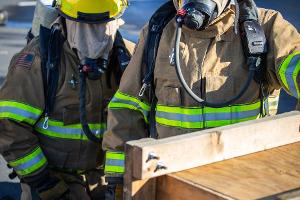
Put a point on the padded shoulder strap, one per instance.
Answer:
(51, 41)
(156, 25)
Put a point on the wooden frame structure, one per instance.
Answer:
(147, 159)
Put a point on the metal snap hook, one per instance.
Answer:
(46, 123)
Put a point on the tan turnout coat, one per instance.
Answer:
(215, 54)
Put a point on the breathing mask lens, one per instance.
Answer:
(197, 14)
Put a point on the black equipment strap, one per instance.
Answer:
(51, 41)
(124, 55)
(156, 25)
(120, 57)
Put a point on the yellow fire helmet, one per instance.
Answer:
(91, 11)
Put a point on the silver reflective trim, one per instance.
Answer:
(113, 162)
(18, 111)
(117, 100)
(289, 75)
(30, 163)
(69, 131)
(208, 116)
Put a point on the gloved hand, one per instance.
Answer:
(48, 187)
(114, 189)
(59, 190)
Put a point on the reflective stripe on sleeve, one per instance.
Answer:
(115, 162)
(197, 117)
(30, 163)
(59, 130)
(121, 101)
(288, 72)
(19, 112)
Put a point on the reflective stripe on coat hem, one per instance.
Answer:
(198, 118)
(57, 129)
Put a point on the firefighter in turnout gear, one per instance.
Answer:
(215, 63)
(53, 104)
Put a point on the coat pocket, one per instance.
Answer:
(168, 93)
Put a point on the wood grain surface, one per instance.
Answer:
(254, 176)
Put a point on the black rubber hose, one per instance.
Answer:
(189, 90)
(83, 114)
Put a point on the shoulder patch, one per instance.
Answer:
(25, 60)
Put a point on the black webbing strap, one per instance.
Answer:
(156, 25)
(51, 41)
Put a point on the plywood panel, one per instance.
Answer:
(253, 176)
(175, 188)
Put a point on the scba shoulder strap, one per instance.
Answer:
(51, 41)
(157, 23)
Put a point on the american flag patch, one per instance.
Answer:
(25, 60)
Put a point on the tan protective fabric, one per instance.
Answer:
(25, 84)
(44, 15)
(215, 54)
(92, 40)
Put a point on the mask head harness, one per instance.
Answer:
(197, 14)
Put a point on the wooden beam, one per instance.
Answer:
(136, 189)
(204, 147)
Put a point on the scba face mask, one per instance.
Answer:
(196, 14)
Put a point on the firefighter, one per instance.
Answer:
(53, 103)
(214, 63)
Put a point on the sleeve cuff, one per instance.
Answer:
(115, 162)
(29, 164)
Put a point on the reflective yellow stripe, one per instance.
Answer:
(121, 101)
(59, 130)
(114, 169)
(197, 117)
(30, 163)
(115, 155)
(288, 73)
(115, 162)
(19, 112)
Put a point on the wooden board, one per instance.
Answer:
(256, 176)
(213, 145)
(136, 189)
